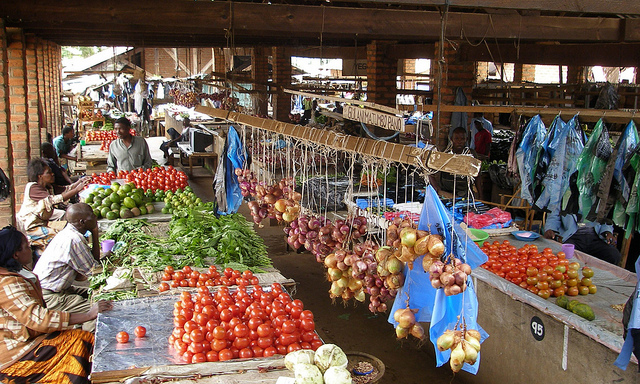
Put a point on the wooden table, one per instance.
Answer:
(186, 152)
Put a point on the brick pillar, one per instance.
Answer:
(260, 74)
(575, 74)
(529, 73)
(381, 74)
(517, 73)
(18, 116)
(8, 206)
(282, 77)
(31, 75)
(57, 83)
(455, 73)
(46, 100)
(219, 61)
(42, 115)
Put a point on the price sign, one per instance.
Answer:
(537, 328)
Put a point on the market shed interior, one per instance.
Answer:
(459, 37)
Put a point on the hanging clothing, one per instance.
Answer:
(459, 119)
(591, 166)
(624, 173)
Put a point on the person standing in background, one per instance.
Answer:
(482, 141)
(473, 130)
(64, 144)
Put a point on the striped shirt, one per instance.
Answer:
(24, 318)
(67, 254)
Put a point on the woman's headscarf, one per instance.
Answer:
(10, 242)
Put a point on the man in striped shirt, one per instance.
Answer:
(69, 258)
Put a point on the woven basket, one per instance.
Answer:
(356, 357)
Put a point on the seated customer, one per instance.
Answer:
(37, 214)
(64, 144)
(592, 238)
(37, 344)
(68, 258)
(51, 158)
(127, 152)
(176, 137)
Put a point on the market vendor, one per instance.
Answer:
(446, 180)
(127, 152)
(64, 144)
(38, 344)
(481, 142)
(478, 117)
(50, 156)
(69, 258)
(176, 137)
(38, 211)
(592, 238)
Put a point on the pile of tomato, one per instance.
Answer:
(164, 178)
(105, 137)
(188, 277)
(543, 273)
(247, 323)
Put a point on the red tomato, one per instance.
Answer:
(180, 346)
(140, 331)
(315, 344)
(195, 347)
(179, 321)
(122, 337)
(196, 335)
(293, 347)
(212, 356)
(306, 314)
(163, 287)
(269, 351)
(264, 330)
(241, 342)
(218, 345)
(241, 330)
(307, 325)
(225, 355)
(245, 353)
(265, 342)
(199, 358)
(289, 326)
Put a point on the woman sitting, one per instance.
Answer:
(38, 212)
(37, 345)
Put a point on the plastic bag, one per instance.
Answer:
(433, 306)
(564, 150)
(627, 150)
(319, 195)
(526, 155)
(545, 154)
(234, 159)
(591, 165)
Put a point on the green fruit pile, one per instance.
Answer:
(119, 202)
(181, 199)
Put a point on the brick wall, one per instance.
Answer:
(455, 73)
(30, 83)
(528, 73)
(575, 75)
(162, 61)
(282, 77)
(219, 64)
(260, 74)
(7, 207)
(381, 74)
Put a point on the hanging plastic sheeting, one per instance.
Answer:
(564, 150)
(633, 206)
(591, 166)
(433, 305)
(545, 153)
(527, 153)
(628, 143)
(459, 119)
(234, 158)
(634, 323)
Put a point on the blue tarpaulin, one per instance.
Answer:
(527, 154)
(234, 159)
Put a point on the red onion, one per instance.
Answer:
(344, 229)
(363, 229)
(379, 282)
(312, 234)
(369, 280)
(342, 266)
(294, 224)
(286, 230)
(374, 291)
(372, 267)
(263, 213)
(296, 244)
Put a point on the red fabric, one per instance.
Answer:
(483, 142)
(37, 192)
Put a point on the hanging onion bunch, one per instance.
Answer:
(344, 273)
(304, 231)
(183, 97)
(411, 243)
(382, 284)
(247, 180)
(407, 324)
(464, 346)
(451, 276)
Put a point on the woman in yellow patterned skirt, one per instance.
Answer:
(37, 345)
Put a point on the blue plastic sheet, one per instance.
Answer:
(527, 153)
(433, 306)
(628, 144)
(234, 159)
(591, 166)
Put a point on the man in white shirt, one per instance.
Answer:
(128, 152)
(68, 258)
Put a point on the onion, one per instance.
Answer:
(417, 331)
(294, 224)
(372, 267)
(447, 279)
(360, 296)
(375, 301)
(453, 290)
(344, 229)
(408, 237)
(374, 291)
(280, 205)
(445, 341)
(470, 353)
(457, 358)
(435, 245)
(394, 265)
(312, 234)
(336, 290)
(286, 230)
(460, 277)
(355, 285)
(372, 308)
(472, 334)
(350, 259)
(383, 253)
(379, 283)
(296, 196)
(288, 217)
(296, 244)
(342, 282)
(473, 342)
(420, 247)
(382, 307)
(355, 235)
(326, 230)
(331, 261)
(238, 171)
(404, 317)
(314, 223)
(263, 213)
(335, 274)
(436, 283)
(402, 333)
(466, 268)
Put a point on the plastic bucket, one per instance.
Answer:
(568, 250)
(107, 245)
(479, 236)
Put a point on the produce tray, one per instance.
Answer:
(113, 361)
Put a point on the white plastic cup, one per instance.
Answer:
(107, 245)
(568, 250)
